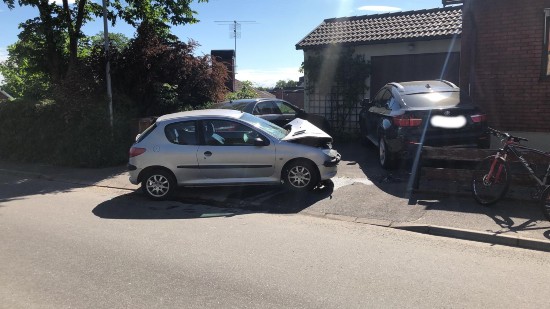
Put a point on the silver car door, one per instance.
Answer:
(180, 155)
(231, 153)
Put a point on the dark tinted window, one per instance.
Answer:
(236, 106)
(382, 98)
(432, 99)
(266, 108)
(285, 108)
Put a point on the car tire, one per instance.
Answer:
(300, 175)
(158, 184)
(363, 134)
(385, 157)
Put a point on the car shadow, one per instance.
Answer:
(195, 203)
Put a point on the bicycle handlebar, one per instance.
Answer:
(507, 136)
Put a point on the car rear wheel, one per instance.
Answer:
(386, 158)
(158, 185)
(301, 175)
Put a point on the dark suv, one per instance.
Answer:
(404, 115)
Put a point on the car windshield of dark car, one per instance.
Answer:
(432, 99)
(264, 125)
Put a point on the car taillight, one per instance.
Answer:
(136, 151)
(406, 121)
(479, 118)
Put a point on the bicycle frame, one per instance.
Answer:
(517, 149)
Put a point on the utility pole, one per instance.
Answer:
(234, 33)
(107, 66)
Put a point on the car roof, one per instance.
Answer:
(255, 100)
(423, 86)
(227, 113)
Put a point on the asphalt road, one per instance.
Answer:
(57, 250)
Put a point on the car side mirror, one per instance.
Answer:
(365, 102)
(300, 113)
(258, 141)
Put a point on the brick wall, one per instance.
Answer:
(502, 60)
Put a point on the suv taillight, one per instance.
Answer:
(479, 118)
(136, 151)
(406, 121)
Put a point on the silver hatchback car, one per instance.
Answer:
(229, 147)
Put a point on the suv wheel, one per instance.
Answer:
(386, 158)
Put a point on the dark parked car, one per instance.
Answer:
(401, 115)
(278, 111)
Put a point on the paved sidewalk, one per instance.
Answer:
(362, 193)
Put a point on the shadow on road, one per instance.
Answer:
(193, 203)
(15, 187)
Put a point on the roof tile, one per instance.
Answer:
(369, 29)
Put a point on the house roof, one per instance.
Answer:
(429, 24)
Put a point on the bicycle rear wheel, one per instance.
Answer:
(545, 202)
(489, 189)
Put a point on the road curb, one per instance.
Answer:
(443, 231)
(492, 238)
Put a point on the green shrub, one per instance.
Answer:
(45, 132)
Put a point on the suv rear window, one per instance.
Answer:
(236, 106)
(432, 99)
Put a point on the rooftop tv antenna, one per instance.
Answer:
(234, 31)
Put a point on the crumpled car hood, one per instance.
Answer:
(303, 129)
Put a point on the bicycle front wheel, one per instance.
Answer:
(489, 187)
(545, 202)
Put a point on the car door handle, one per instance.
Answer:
(207, 153)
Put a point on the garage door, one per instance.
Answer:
(402, 68)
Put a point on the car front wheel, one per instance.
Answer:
(300, 175)
(158, 185)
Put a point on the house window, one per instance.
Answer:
(546, 52)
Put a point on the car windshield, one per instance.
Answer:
(432, 99)
(264, 125)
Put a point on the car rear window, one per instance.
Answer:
(432, 99)
(146, 132)
(236, 106)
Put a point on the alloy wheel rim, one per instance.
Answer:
(382, 151)
(158, 185)
(299, 176)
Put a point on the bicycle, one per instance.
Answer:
(491, 178)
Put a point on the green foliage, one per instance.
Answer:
(246, 92)
(287, 83)
(59, 27)
(339, 69)
(161, 75)
(35, 131)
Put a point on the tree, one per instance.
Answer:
(246, 92)
(287, 83)
(161, 75)
(60, 26)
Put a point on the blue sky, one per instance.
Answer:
(266, 49)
